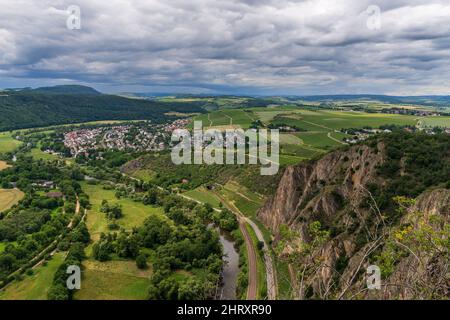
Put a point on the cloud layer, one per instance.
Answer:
(251, 46)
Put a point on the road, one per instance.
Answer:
(270, 271)
(334, 139)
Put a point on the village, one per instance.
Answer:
(130, 137)
(358, 135)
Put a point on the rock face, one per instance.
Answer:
(317, 190)
(334, 191)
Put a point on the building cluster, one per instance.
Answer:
(411, 111)
(148, 137)
(358, 135)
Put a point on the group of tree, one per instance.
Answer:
(113, 212)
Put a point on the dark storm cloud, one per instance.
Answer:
(316, 46)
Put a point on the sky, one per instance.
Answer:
(263, 47)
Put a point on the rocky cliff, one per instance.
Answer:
(341, 193)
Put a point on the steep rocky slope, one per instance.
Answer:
(354, 207)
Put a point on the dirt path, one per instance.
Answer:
(317, 125)
(231, 119)
(210, 121)
(334, 139)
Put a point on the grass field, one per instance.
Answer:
(116, 279)
(134, 213)
(36, 286)
(113, 280)
(144, 174)
(203, 195)
(8, 143)
(37, 154)
(9, 197)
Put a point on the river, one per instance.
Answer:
(231, 268)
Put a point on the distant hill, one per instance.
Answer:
(40, 107)
(419, 100)
(67, 89)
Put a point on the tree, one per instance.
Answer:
(191, 289)
(58, 292)
(141, 261)
(7, 261)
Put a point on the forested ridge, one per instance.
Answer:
(27, 109)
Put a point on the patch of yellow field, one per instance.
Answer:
(4, 165)
(226, 127)
(9, 197)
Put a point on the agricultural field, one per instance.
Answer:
(113, 280)
(335, 120)
(134, 213)
(8, 143)
(443, 122)
(243, 199)
(227, 119)
(35, 286)
(321, 126)
(9, 197)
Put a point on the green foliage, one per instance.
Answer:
(34, 109)
(141, 261)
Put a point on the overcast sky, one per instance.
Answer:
(229, 46)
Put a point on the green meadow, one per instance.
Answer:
(35, 286)
(8, 143)
(134, 213)
(113, 280)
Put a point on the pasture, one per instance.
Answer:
(9, 197)
(113, 280)
(35, 286)
(134, 213)
(8, 143)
